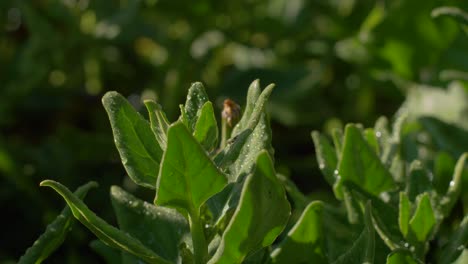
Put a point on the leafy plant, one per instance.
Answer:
(215, 205)
(409, 203)
(224, 202)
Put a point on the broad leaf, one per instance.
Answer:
(360, 164)
(206, 128)
(423, 220)
(401, 257)
(139, 150)
(158, 121)
(160, 229)
(305, 241)
(260, 217)
(196, 98)
(55, 232)
(187, 177)
(363, 249)
(326, 157)
(108, 234)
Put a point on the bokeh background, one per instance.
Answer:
(333, 61)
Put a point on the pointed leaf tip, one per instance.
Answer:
(139, 150)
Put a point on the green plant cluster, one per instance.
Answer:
(227, 204)
(334, 62)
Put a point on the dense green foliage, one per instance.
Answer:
(227, 204)
(333, 62)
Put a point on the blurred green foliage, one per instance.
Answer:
(333, 62)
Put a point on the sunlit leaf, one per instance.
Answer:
(206, 128)
(187, 176)
(55, 232)
(423, 220)
(260, 217)
(305, 241)
(326, 157)
(158, 121)
(360, 164)
(139, 150)
(108, 234)
(196, 98)
(455, 187)
(401, 257)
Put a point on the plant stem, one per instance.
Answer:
(226, 130)
(200, 248)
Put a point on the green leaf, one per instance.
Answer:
(160, 229)
(385, 216)
(139, 150)
(253, 94)
(404, 213)
(241, 152)
(250, 119)
(456, 243)
(55, 232)
(259, 140)
(260, 217)
(418, 181)
(423, 220)
(371, 139)
(206, 128)
(444, 166)
(304, 243)
(360, 164)
(187, 177)
(158, 121)
(455, 187)
(337, 136)
(108, 234)
(196, 98)
(326, 157)
(401, 257)
(363, 249)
